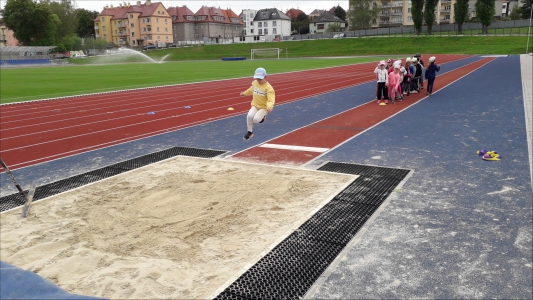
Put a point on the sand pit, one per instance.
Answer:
(176, 229)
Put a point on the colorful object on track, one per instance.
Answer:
(187, 106)
(231, 108)
(382, 103)
(151, 113)
(489, 155)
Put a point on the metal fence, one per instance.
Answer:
(518, 27)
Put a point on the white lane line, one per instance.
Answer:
(295, 148)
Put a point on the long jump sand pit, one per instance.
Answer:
(180, 228)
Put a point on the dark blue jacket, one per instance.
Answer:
(431, 71)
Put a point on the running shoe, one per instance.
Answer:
(264, 118)
(248, 135)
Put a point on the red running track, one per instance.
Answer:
(40, 131)
(333, 131)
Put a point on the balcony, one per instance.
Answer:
(122, 25)
(396, 13)
(123, 33)
(399, 4)
(96, 27)
(445, 12)
(444, 21)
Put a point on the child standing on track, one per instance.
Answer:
(431, 73)
(381, 74)
(393, 82)
(263, 101)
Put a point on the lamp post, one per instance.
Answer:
(93, 44)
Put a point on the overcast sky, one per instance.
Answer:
(306, 6)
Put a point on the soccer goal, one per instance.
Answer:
(268, 53)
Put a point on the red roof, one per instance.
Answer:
(145, 10)
(210, 12)
(178, 14)
(293, 13)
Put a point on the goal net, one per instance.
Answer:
(268, 53)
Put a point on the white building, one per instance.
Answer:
(271, 23)
(247, 16)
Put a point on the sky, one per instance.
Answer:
(306, 6)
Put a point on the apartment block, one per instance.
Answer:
(137, 25)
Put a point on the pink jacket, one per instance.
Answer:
(393, 79)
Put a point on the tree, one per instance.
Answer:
(526, 9)
(363, 14)
(485, 11)
(429, 13)
(33, 23)
(302, 17)
(417, 13)
(66, 14)
(340, 13)
(460, 14)
(301, 24)
(335, 27)
(86, 18)
(516, 13)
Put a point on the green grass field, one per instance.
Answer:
(202, 63)
(48, 82)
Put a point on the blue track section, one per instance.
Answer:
(460, 227)
(16, 283)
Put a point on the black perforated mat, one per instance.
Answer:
(292, 267)
(54, 188)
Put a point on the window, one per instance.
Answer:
(157, 29)
(167, 38)
(166, 29)
(259, 24)
(274, 31)
(103, 19)
(105, 36)
(274, 24)
(251, 15)
(165, 21)
(158, 38)
(252, 30)
(260, 31)
(131, 16)
(409, 10)
(266, 31)
(409, 19)
(131, 25)
(157, 20)
(133, 34)
(265, 24)
(103, 28)
(320, 26)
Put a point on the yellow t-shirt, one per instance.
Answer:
(264, 95)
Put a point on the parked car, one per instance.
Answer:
(339, 36)
(149, 47)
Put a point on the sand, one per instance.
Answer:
(181, 228)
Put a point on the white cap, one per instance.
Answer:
(260, 73)
(432, 59)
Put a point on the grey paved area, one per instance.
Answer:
(459, 227)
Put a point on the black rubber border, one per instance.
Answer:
(290, 269)
(54, 188)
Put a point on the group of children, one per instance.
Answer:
(396, 79)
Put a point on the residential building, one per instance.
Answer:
(293, 13)
(215, 25)
(508, 6)
(271, 23)
(316, 14)
(7, 36)
(247, 16)
(327, 19)
(3, 34)
(183, 28)
(136, 25)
